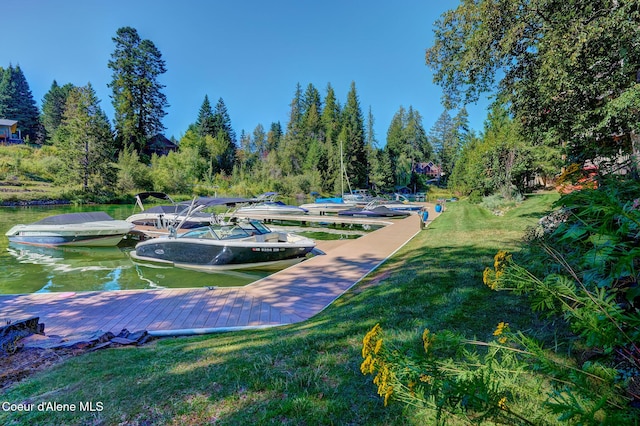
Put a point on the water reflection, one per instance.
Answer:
(56, 269)
(30, 269)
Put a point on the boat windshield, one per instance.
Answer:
(201, 233)
(226, 232)
(221, 232)
(262, 229)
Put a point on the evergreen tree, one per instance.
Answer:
(274, 136)
(86, 142)
(374, 176)
(17, 103)
(331, 123)
(295, 113)
(352, 136)
(445, 141)
(407, 145)
(260, 141)
(293, 150)
(419, 147)
(246, 153)
(225, 138)
(137, 97)
(395, 140)
(53, 104)
(311, 111)
(206, 121)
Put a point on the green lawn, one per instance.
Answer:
(306, 373)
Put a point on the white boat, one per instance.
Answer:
(374, 209)
(359, 196)
(175, 215)
(89, 229)
(248, 245)
(266, 205)
(270, 208)
(328, 205)
(401, 203)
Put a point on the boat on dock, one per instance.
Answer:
(266, 204)
(323, 206)
(374, 209)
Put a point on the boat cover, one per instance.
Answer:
(166, 209)
(74, 218)
(159, 195)
(216, 201)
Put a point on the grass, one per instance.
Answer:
(307, 373)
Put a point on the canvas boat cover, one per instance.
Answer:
(74, 218)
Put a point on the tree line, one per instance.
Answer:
(324, 142)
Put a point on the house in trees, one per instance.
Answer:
(9, 133)
(159, 145)
(428, 169)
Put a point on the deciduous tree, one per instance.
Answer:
(568, 70)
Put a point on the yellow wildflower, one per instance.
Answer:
(426, 378)
(502, 326)
(501, 259)
(367, 365)
(369, 340)
(488, 278)
(376, 350)
(427, 339)
(503, 403)
(387, 394)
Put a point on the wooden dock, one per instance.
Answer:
(325, 218)
(288, 296)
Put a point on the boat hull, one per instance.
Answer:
(267, 209)
(207, 254)
(328, 207)
(375, 212)
(106, 234)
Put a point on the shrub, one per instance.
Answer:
(581, 269)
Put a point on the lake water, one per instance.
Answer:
(28, 269)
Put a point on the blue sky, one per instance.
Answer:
(250, 53)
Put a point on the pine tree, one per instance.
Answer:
(311, 112)
(17, 103)
(352, 135)
(86, 142)
(292, 149)
(260, 141)
(137, 98)
(331, 115)
(225, 138)
(371, 145)
(295, 113)
(274, 136)
(395, 134)
(418, 144)
(205, 122)
(53, 104)
(445, 141)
